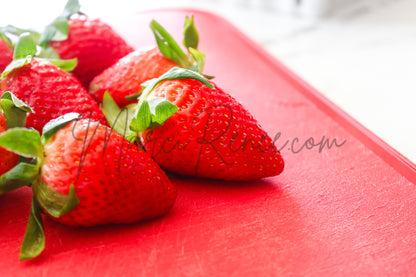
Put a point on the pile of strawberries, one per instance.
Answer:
(91, 124)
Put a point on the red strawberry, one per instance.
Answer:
(209, 134)
(126, 76)
(94, 43)
(89, 175)
(45, 87)
(6, 54)
(7, 159)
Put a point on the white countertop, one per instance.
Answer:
(362, 57)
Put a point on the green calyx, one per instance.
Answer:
(34, 239)
(28, 143)
(57, 30)
(150, 111)
(154, 111)
(5, 38)
(26, 49)
(14, 110)
(23, 54)
(119, 119)
(170, 48)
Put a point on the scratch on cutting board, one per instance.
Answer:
(199, 262)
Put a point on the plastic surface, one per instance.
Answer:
(345, 210)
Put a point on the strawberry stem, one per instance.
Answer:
(190, 34)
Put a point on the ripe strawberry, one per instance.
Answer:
(126, 76)
(45, 87)
(94, 43)
(88, 175)
(6, 53)
(192, 127)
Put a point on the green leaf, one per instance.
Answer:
(48, 53)
(25, 46)
(151, 114)
(7, 95)
(161, 109)
(19, 31)
(6, 39)
(22, 141)
(71, 7)
(57, 31)
(190, 34)
(133, 97)
(55, 203)
(24, 51)
(14, 110)
(119, 119)
(175, 74)
(156, 111)
(16, 64)
(23, 174)
(34, 240)
(66, 65)
(199, 57)
(54, 125)
(168, 46)
(143, 118)
(61, 29)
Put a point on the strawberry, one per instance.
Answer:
(94, 43)
(192, 127)
(6, 52)
(45, 87)
(125, 77)
(84, 174)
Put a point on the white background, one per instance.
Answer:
(361, 56)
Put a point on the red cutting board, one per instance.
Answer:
(346, 210)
